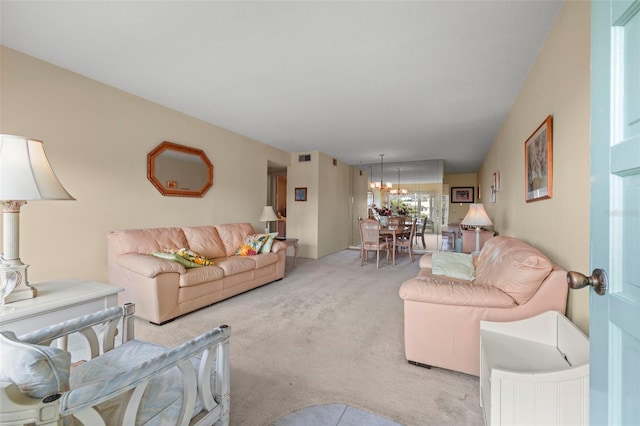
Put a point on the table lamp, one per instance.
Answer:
(25, 175)
(477, 216)
(268, 216)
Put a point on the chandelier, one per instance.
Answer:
(381, 186)
(399, 191)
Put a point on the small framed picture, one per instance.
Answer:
(462, 194)
(496, 181)
(538, 165)
(301, 194)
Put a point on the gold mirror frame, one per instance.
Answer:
(170, 186)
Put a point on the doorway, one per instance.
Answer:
(277, 194)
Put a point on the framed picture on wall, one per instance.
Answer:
(462, 194)
(301, 194)
(538, 165)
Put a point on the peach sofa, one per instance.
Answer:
(442, 315)
(164, 289)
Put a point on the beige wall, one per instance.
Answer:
(322, 223)
(558, 84)
(457, 211)
(302, 216)
(334, 208)
(97, 139)
(359, 208)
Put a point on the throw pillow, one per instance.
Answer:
(455, 265)
(266, 248)
(37, 370)
(252, 245)
(194, 257)
(186, 257)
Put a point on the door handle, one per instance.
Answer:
(598, 280)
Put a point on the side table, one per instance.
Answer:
(292, 242)
(57, 301)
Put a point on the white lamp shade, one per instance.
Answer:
(25, 173)
(268, 214)
(476, 216)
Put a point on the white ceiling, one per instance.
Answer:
(414, 80)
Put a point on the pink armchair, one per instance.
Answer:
(442, 315)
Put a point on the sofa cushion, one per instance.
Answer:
(236, 264)
(37, 370)
(205, 240)
(145, 241)
(232, 235)
(430, 288)
(162, 399)
(264, 259)
(197, 276)
(513, 266)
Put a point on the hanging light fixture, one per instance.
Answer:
(399, 191)
(381, 185)
(372, 184)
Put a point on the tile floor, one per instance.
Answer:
(332, 415)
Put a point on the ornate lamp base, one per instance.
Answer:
(22, 290)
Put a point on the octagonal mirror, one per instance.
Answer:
(179, 171)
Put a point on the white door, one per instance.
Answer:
(615, 212)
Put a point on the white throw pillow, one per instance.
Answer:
(455, 265)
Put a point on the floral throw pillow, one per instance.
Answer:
(252, 245)
(187, 257)
(194, 257)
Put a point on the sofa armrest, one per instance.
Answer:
(212, 347)
(426, 261)
(278, 245)
(147, 265)
(450, 292)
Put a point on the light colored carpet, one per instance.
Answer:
(330, 332)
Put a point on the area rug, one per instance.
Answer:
(332, 415)
(330, 332)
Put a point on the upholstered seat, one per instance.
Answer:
(133, 382)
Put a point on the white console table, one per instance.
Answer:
(534, 372)
(57, 301)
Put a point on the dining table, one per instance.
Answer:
(394, 231)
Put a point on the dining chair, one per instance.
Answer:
(419, 232)
(397, 221)
(370, 240)
(408, 241)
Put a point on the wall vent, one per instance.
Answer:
(304, 157)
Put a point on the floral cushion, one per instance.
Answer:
(185, 256)
(252, 245)
(37, 370)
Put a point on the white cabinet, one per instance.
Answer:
(534, 372)
(57, 301)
